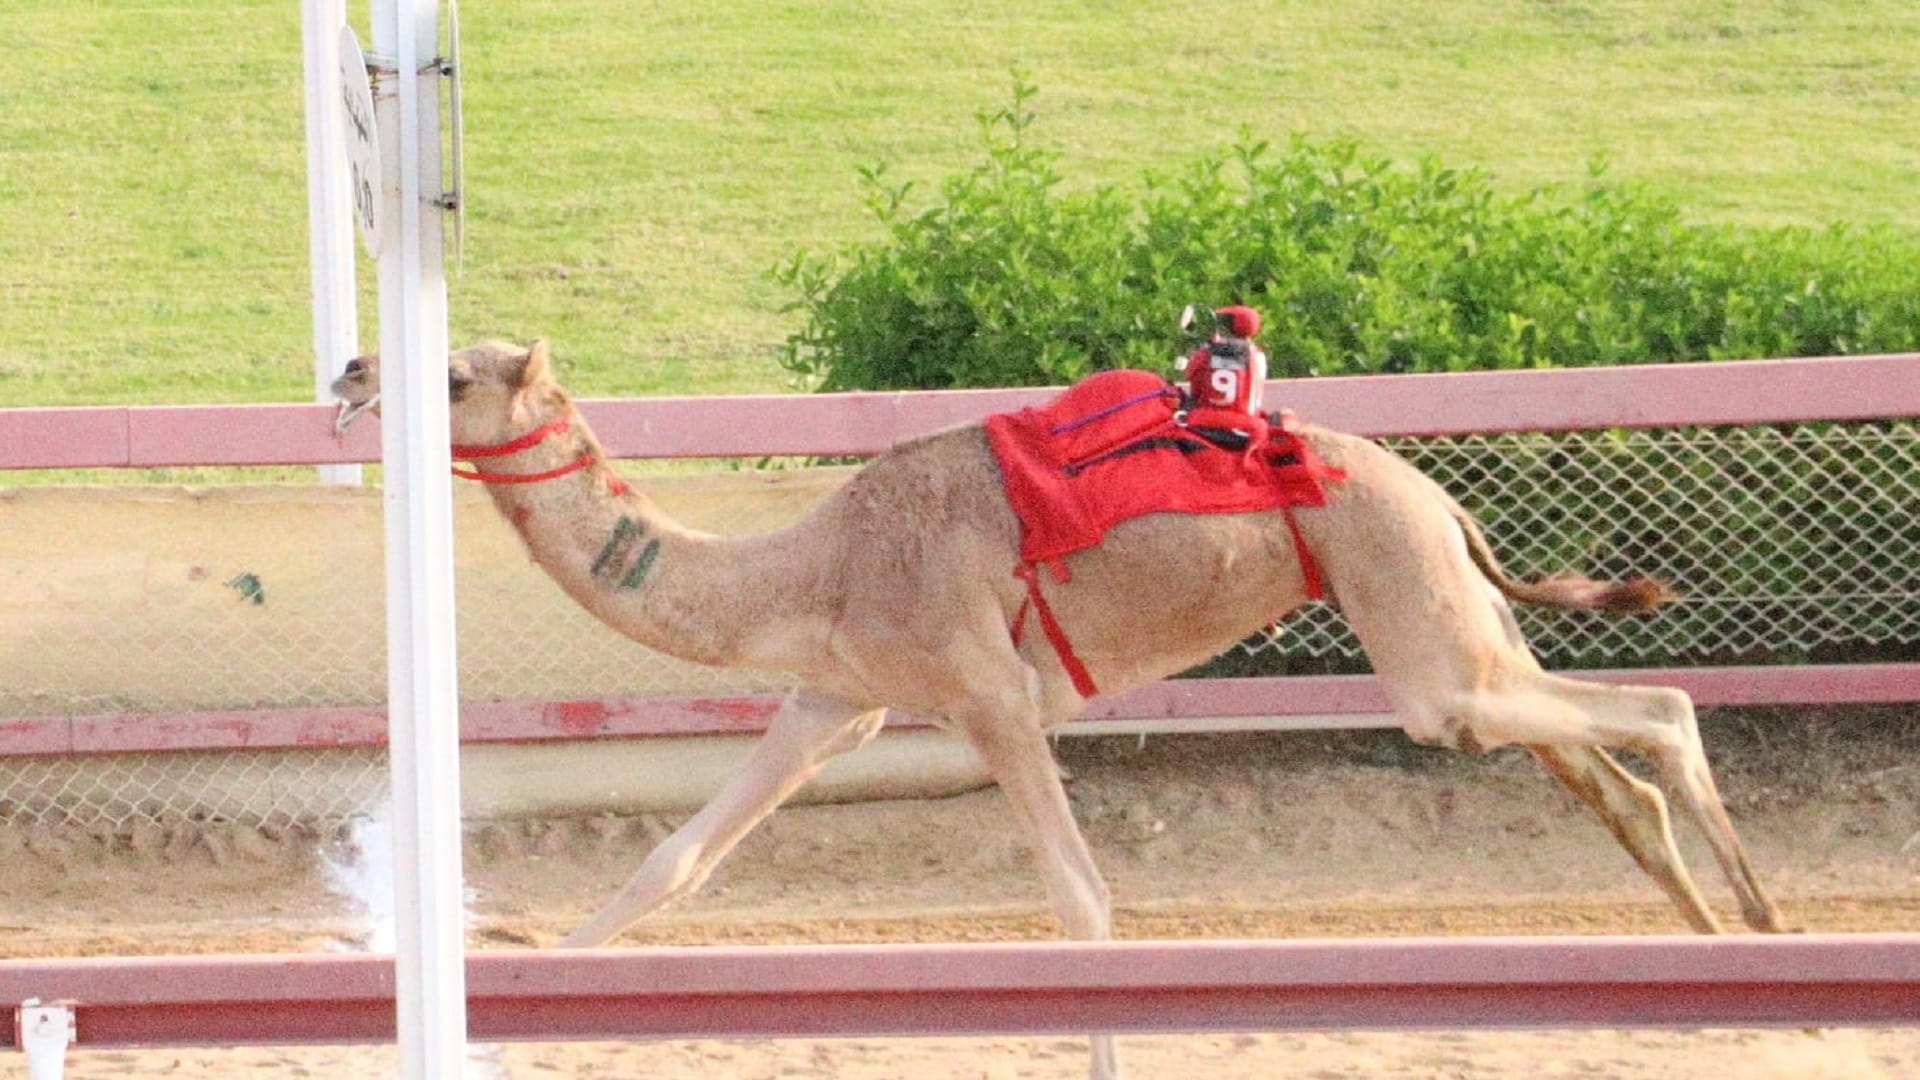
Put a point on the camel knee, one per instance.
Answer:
(1080, 900)
(1451, 729)
(1642, 796)
(1671, 734)
(856, 734)
(1640, 817)
(1088, 914)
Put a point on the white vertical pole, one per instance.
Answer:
(430, 978)
(336, 316)
(44, 1031)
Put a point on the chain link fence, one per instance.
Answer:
(314, 789)
(1792, 544)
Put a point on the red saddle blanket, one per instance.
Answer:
(1115, 446)
(1110, 448)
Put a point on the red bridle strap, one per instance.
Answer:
(575, 465)
(530, 439)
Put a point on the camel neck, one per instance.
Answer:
(701, 597)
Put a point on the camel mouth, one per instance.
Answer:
(358, 389)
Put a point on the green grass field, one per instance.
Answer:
(633, 170)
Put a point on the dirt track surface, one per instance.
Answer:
(1227, 836)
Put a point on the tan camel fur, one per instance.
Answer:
(898, 592)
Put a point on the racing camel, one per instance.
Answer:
(899, 591)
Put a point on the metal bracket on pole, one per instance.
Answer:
(447, 68)
(453, 197)
(44, 1031)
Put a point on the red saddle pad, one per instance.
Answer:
(1110, 448)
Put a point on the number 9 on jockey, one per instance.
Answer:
(1229, 371)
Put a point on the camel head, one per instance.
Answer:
(496, 391)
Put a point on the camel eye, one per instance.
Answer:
(457, 384)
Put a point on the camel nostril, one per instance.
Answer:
(355, 366)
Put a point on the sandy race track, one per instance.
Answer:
(1220, 836)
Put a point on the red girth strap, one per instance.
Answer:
(1056, 636)
(1309, 567)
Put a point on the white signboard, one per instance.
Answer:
(363, 140)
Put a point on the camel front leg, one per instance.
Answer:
(803, 735)
(1016, 753)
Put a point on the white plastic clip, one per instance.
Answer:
(44, 1031)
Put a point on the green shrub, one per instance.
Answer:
(1012, 278)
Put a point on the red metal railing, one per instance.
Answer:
(1652, 395)
(1299, 703)
(1016, 988)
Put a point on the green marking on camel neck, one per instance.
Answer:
(641, 565)
(614, 553)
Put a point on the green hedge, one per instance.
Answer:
(1011, 277)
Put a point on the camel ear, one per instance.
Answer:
(538, 366)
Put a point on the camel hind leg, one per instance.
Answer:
(1637, 816)
(1464, 676)
(1543, 710)
(1632, 810)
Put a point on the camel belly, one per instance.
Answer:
(1169, 591)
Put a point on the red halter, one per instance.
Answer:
(531, 438)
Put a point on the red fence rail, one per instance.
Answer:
(1300, 702)
(1650, 395)
(1024, 988)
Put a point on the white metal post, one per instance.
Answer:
(44, 1031)
(336, 315)
(430, 980)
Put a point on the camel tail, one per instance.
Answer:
(1630, 597)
